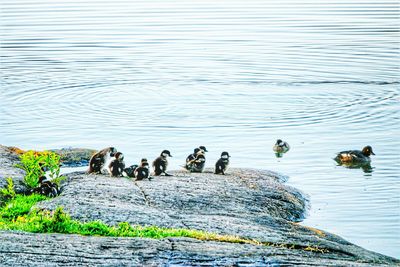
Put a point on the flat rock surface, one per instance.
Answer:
(248, 203)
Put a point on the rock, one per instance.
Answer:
(9, 157)
(74, 157)
(26, 249)
(248, 203)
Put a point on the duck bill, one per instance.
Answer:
(372, 153)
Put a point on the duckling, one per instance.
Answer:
(46, 187)
(192, 156)
(222, 164)
(281, 146)
(100, 160)
(355, 156)
(197, 164)
(160, 164)
(142, 172)
(117, 165)
(130, 171)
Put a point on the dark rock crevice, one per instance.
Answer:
(145, 196)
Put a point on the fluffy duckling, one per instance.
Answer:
(197, 164)
(142, 172)
(99, 161)
(160, 164)
(46, 188)
(117, 165)
(130, 171)
(192, 156)
(281, 146)
(222, 164)
(355, 156)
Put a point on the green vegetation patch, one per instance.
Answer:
(35, 163)
(18, 213)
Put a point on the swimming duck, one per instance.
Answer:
(222, 164)
(281, 146)
(355, 156)
(160, 164)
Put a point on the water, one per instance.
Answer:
(148, 75)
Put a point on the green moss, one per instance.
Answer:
(17, 214)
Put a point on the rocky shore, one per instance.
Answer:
(248, 203)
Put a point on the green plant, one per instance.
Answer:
(18, 214)
(35, 163)
(8, 192)
(20, 205)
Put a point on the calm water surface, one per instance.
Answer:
(231, 75)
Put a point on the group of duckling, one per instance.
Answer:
(110, 161)
(196, 161)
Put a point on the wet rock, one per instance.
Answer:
(248, 203)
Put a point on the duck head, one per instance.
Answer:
(367, 151)
(203, 149)
(119, 156)
(112, 151)
(225, 155)
(166, 153)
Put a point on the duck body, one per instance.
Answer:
(355, 156)
(222, 164)
(160, 164)
(130, 171)
(192, 157)
(142, 172)
(46, 188)
(281, 146)
(117, 165)
(196, 161)
(197, 164)
(99, 161)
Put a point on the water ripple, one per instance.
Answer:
(149, 75)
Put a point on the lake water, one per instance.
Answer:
(231, 75)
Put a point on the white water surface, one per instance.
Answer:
(145, 76)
